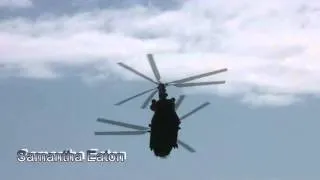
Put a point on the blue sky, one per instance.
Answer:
(59, 73)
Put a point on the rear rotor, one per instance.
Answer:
(161, 87)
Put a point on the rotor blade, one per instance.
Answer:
(195, 110)
(186, 146)
(140, 94)
(147, 101)
(199, 76)
(126, 125)
(121, 133)
(199, 83)
(136, 72)
(154, 67)
(179, 101)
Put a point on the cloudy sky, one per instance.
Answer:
(59, 72)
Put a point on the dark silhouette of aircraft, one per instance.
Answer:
(165, 122)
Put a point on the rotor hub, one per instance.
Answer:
(162, 91)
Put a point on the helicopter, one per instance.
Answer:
(165, 122)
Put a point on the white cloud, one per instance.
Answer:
(16, 3)
(269, 48)
(269, 99)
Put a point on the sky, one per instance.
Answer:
(59, 72)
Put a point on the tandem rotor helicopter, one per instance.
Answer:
(165, 122)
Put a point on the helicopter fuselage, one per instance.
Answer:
(164, 127)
